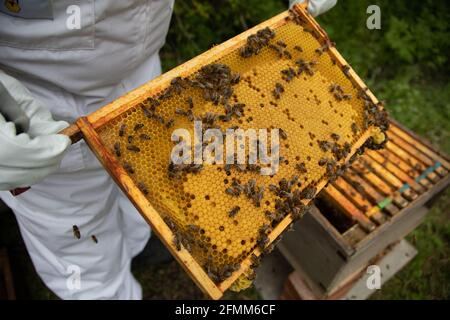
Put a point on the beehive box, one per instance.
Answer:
(289, 77)
(375, 203)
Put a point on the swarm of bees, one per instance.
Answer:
(256, 42)
(176, 170)
(306, 66)
(280, 48)
(338, 92)
(325, 47)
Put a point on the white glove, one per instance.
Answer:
(316, 7)
(28, 157)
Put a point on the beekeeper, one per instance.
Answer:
(60, 60)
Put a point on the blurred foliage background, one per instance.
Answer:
(405, 63)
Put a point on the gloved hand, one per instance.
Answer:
(28, 157)
(316, 7)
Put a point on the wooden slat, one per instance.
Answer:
(386, 163)
(395, 149)
(387, 176)
(367, 190)
(414, 152)
(360, 201)
(378, 183)
(404, 166)
(420, 145)
(348, 208)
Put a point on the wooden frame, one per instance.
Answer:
(86, 128)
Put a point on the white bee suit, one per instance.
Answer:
(76, 56)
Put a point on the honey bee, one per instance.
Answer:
(195, 168)
(169, 223)
(235, 79)
(281, 44)
(76, 232)
(288, 74)
(277, 49)
(324, 145)
(346, 70)
(144, 136)
(301, 167)
(298, 48)
(142, 187)
(279, 89)
(133, 148)
(128, 167)
(258, 196)
(335, 88)
(94, 238)
(287, 54)
(355, 128)
(190, 102)
(232, 213)
(273, 188)
(346, 96)
(262, 241)
(283, 134)
(322, 49)
(170, 123)
(138, 126)
(147, 112)
(308, 193)
(268, 249)
(122, 128)
(270, 215)
(255, 261)
(335, 136)
(117, 149)
(130, 139)
(193, 227)
(232, 192)
(322, 162)
(338, 96)
(177, 240)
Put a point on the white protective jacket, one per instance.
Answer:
(76, 57)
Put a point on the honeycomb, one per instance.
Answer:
(307, 111)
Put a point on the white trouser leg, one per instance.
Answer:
(135, 229)
(89, 199)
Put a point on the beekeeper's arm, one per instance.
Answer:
(316, 7)
(28, 157)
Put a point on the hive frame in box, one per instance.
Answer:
(86, 128)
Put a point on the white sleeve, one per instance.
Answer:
(28, 157)
(316, 7)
